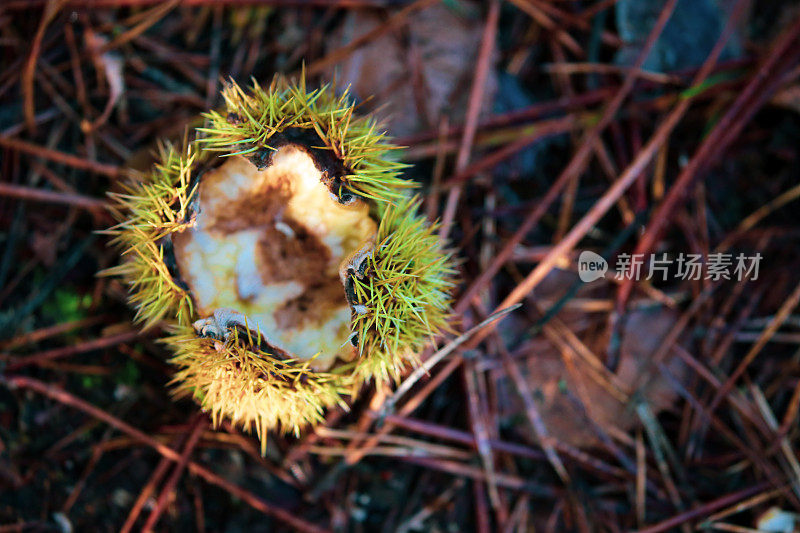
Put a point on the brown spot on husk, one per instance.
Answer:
(301, 256)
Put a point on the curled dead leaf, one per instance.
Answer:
(575, 395)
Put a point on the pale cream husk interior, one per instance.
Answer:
(269, 244)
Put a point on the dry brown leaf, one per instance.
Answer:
(558, 393)
(439, 50)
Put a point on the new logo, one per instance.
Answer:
(591, 266)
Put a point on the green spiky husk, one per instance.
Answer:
(153, 207)
(355, 141)
(406, 292)
(248, 386)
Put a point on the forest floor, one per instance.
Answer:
(659, 397)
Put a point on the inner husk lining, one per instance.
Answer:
(269, 244)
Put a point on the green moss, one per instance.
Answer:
(66, 305)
